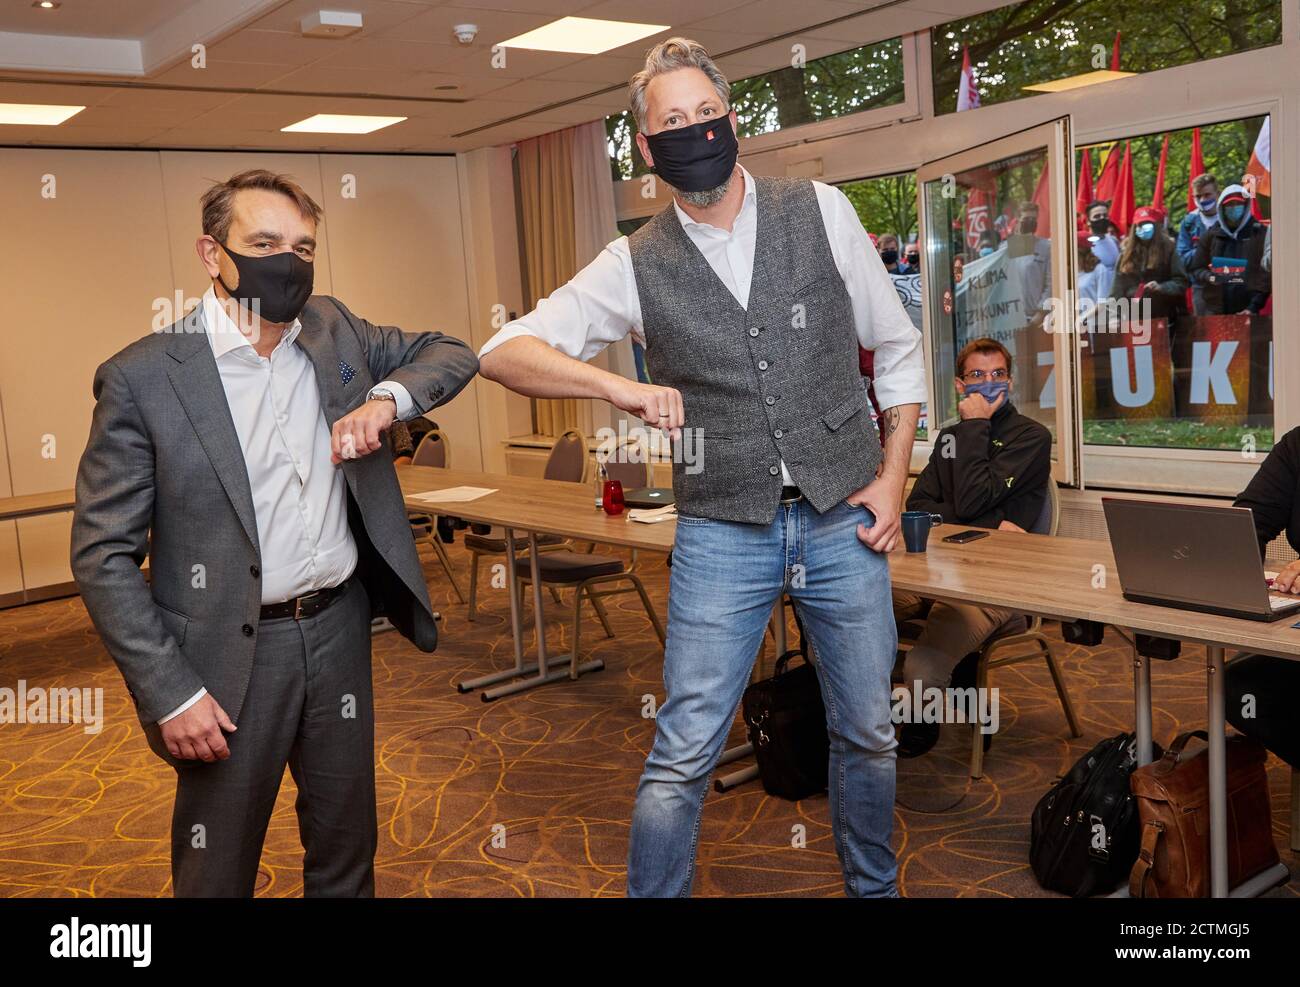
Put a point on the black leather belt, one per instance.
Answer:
(302, 607)
(790, 494)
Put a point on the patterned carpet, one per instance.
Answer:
(531, 795)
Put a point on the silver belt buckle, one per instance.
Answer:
(297, 608)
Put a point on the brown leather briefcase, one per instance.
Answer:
(1174, 809)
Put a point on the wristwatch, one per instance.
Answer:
(382, 394)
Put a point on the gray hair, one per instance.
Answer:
(669, 56)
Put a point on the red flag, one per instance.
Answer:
(1114, 55)
(1109, 175)
(1123, 204)
(1197, 167)
(1158, 200)
(968, 97)
(1084, 195)
(1044, 205)
(978, 218)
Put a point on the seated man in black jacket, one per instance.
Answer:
(1261, 690)
(989, 470)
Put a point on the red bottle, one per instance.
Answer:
(612, 498)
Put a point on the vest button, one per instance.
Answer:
(770, 400)
(774, 470)
(248, 630)
(777, 434)
(753, 330)
(762, 364)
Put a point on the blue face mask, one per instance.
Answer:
(1232, 214)
(989, 388)
(1145, 231)
(1209, 206)
(985, 251)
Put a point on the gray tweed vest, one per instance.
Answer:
(777, 380)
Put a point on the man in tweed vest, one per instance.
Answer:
(751, 297)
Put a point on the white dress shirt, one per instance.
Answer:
(299, 495)
(600, 305)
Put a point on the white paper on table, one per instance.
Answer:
(652, 515)
(453, 495)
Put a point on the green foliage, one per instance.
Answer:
(885, 205)
(1175, 433)
(1044, 40)
(832, 86)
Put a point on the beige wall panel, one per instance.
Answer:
(188, 174)
(11, 574)
(399, 259)
(78, 286)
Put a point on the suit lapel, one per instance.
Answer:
(197, 382)
(315, 341)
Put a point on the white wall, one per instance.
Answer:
(118, 233)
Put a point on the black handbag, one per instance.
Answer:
(786, 720)
(1085, 832)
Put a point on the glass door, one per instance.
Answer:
(997, 227)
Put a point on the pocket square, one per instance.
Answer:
(346, 373)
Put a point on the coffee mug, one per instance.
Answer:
(916, 528)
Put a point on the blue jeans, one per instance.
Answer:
(726, 578)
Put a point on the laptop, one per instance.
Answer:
(649, 497)
(1192, 557)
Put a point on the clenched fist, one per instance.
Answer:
(658, 406)
(357, 433)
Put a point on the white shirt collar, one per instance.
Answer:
(224, 335)
(748, 202)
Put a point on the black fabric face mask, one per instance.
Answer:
(279, 284)
(889, 256)
(1100, 226)
(695, 158)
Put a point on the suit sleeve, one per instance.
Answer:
(110, 540)
(1272, 491)
(433, 367)
(982, 482)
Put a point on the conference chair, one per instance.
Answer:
(567, 461)
(433, 450)
(1030, 644)
(588, 573)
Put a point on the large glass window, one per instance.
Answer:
(1177, 348)
(887, 208)
(823, 88)
(1046, 45)
(992, 267)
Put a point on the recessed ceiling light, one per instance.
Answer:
(48, 4)
(1079, 81)
(340, 123)
(36, 114)
(583, 35)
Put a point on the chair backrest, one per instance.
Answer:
(629, 465)
(1049, 518)
(568, 458)
(432, 450)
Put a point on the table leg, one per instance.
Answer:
(539, 615)
(516, 627)
(1142, 702)
(1218, 773)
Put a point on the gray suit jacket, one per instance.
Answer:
(163, 476)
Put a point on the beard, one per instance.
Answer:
(707, 197)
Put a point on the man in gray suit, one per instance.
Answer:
(233, 451)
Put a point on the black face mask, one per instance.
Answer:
(277, 284)
(695, 158)
(1029, 224)
(889, 256)
(1100, 226)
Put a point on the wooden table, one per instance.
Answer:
(537, 507)
(34, 505)
(1058, 578)
(1075, 579)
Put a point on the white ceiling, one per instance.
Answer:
(129, 62)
